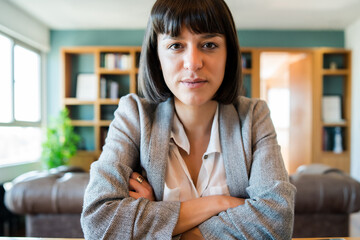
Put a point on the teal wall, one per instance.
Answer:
(291, 38)
(248, 38)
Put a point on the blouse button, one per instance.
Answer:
(205, 156)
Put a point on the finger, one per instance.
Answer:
(135, 185)
(140, 190)
(134, 195)
(135, 175)
(143, 188)
(131, 184)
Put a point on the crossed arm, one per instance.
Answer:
(192, 212)
(109, 212)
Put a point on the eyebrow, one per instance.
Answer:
(203, 36)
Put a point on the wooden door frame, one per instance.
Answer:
(255, 83)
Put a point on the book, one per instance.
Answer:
(117, 61)
(103, 88)
(338, 142)
(114, 90)
(125, 61)
(110, 61)
(331, 109)
(86, 87)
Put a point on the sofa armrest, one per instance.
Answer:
(329, 191)
(45, 192)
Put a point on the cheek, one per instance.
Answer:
(168, 67)
(218, 66)
(223, 66)
(165, 70)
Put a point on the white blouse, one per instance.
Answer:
(212, 177)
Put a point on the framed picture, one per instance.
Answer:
(331, 109)
(86, 87)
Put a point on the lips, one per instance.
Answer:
(193, 83)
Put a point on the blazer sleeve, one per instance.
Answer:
(108, 211)
(268, 212)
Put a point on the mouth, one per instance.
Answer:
(193, 83)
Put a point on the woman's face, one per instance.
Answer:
(193, 65)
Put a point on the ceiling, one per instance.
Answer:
(248, 14)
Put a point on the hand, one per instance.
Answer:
(192, 234)
(138, 190)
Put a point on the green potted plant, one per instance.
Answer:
(61, 142)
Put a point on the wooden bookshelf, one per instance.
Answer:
(251, 72)
(91, 118)
(332, 77)
(323, 75)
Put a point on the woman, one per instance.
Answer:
(209, 160)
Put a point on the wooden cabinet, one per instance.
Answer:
(330, 76)
(250, 72)
(332, 94)
(115, 71)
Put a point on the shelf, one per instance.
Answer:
(335, 72)
(82, 123)
(109, 101)
(82, 50)
(337, 124)
(75, 101)
(114, 71)
(246, 71)
(105, 123)
(332, 156)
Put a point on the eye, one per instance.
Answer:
(209, 45)
(175, 46)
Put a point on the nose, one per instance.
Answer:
(193, 59)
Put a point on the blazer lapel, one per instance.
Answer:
(233, 151)
(231, 144)
(159, 146)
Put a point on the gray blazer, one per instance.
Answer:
(139, 138)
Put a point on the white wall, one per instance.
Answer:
(352, 41)
(23, 27)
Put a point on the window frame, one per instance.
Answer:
(11, 170)
(14, 122)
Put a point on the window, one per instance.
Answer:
(20, 102)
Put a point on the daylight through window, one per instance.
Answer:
(20, 102)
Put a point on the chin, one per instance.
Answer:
(195, 101)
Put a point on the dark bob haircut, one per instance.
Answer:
(200, 16)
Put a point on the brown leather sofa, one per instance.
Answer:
(52, 202)
(325, 199)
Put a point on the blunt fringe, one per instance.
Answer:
(200, 16)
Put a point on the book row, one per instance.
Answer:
(116, 61)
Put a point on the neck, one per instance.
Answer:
(197, 120)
